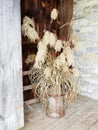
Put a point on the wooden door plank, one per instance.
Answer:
(11, 94)
(66, 14)
(31, 101)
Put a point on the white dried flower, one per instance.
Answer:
(57, 64)
(49, 39)
(32, 34)
(40, 59)
(41, 55)
(47, 72)
(53, 39)
(42, 49)
(65, 68)
(67, 50)
(58, 45)
(46, 38)
(27, 20)
(60, 61)
(69, 56)
(42, 46)
(62, 58)
(75, 71)
(28, 29)
(24, 29)
(54, 14)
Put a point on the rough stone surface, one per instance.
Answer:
(85, 27)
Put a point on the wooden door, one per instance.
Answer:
(11, 93)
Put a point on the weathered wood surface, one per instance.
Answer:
(66, 14)
(31, 101)
(27, 87)
(11, 95)
(83, 115)
(40, 10)
(26, 72)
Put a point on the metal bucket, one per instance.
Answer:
(55, 107)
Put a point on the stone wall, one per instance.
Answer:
(85, 27)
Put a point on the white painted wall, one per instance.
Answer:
(86, 28)
(11, 95)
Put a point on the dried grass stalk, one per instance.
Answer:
(54, 72)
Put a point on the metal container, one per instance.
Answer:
(55, 107)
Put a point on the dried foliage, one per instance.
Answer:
(30, 59)
(28, 29)
(54, 72)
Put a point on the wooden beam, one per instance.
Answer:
(26, 73)
(27, 87)
(31, 101)
(66, 14)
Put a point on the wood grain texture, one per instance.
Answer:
(11, 95)
(31, 101)
(66, 14)
(40, 10)
(83, 115)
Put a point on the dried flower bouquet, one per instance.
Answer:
(54, 72)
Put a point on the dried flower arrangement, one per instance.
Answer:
(54, 72)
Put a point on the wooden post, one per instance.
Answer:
(11, 94)
(66, 13)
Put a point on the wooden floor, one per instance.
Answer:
(83, 115)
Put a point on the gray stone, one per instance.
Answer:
(92, 49)
(85, 26)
